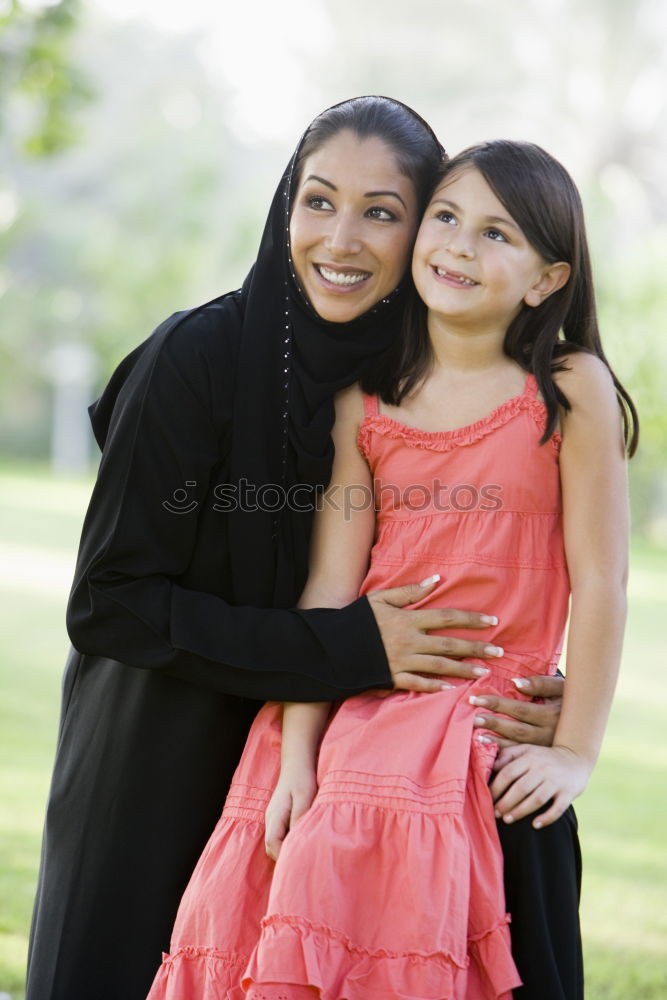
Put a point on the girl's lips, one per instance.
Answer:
(453, 278)
(341, 279)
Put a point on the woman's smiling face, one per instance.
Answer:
(352, 226)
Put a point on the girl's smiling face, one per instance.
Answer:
(472, 264)
(352, 225)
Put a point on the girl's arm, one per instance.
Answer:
(596, 525)
(341, 542)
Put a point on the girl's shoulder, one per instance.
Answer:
(593, 414)
(584, 379)
(350, 406)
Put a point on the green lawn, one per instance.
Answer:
(623, 815)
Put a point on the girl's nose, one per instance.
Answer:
(461, 244)
(343, 237)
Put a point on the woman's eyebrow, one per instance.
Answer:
(321, 180)
(369, 194)
(390, 194)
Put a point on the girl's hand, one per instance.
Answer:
(529, 722)
(531, 776)
(292, 797)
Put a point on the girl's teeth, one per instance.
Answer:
(461, 279)
(338, 278)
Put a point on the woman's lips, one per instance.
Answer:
(453, 278)
(341, 278)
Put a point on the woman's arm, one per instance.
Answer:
(147, 587)
(595, 520)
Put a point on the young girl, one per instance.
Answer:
(390, 881)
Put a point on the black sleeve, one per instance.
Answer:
(165, 414)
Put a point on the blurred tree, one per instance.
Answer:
(41, 87)
(152, 211)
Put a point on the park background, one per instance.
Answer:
(140, 144)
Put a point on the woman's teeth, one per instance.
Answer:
(456, 277)
(341, 278)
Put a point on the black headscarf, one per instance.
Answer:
(291, 363)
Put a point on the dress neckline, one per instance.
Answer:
(508, 407)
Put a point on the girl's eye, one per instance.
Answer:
(446, 217)
(495, 234)
(317, 202)
(382, 214)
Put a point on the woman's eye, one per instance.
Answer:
(495, 234)
(446, 217)
(383, 214)
(319, 203)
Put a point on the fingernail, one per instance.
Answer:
(479, 720)
(484, 739)
(497, 814)
(480, 671)
(476, 700)
(520, 682)
(494, 650)
(446, 687)
(429, 580)
(489, 619)
(537, 825)
(509, 818)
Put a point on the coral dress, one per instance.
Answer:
(391, 886)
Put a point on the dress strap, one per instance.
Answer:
(371, 408)
(530, 387)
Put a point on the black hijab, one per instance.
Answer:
(291, 363)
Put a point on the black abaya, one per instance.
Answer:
(145, 756)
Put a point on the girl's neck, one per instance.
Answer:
(463, 349)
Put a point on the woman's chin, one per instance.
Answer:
(344, 307)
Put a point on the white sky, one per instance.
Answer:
(254, 48)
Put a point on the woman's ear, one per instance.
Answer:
(553, 277)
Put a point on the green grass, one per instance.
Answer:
(623, 815)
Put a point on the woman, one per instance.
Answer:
(216, 439)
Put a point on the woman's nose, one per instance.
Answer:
(343, 236)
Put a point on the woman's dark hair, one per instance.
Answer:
(418, 152)
(543, 200)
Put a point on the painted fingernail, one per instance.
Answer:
(476, 700)
(484, 739)
(497, 813)
(446, 687)
(479, 720)
(489, 619)
(509, 818)
(494, 650)
(429, 580)
(520, 682)
(480, 671)
(537, 825)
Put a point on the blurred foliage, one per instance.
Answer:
(159, 203)
(40, 85)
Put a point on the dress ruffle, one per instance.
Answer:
(444, 441)
(316, 956)
(199, 972)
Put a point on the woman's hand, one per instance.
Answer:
(292, 797)
(529, 722)
(410, 649)
(533, 776)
